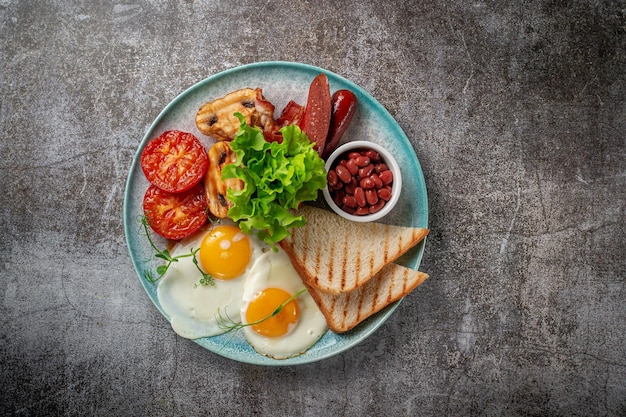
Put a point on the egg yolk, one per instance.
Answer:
(225, 252)
(264, 305)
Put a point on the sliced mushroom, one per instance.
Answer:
(217, 118)
(215, 188)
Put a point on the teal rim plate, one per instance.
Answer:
(281, 82)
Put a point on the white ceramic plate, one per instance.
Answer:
(281, 82)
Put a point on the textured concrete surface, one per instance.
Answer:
(517, 114)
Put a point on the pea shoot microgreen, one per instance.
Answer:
(165, 255)
(227, 324)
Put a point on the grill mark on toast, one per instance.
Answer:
(359, 309)
(386, 247)
(344, 266)
(357, 264)
(330, 315)
(400, 243)
(318, 256)
(305, 238)
(392, 278)
(375, 300)
(405, 280)
(415, 236)
(331, 264)
(345, 309)
(331, 307)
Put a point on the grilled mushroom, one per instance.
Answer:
(215, 188)
(217, 118)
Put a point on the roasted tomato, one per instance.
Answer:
(175, 161)
(175, 215)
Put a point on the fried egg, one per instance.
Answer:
(298, 325)
(226, 254)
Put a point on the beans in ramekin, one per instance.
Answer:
(360, 182)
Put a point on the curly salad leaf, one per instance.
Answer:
(277, 177)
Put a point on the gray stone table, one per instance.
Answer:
(516, 111)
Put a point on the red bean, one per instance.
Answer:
(332, 178)
(384, 193)
(378, 183)
(359, 196)
(362, 211)
(352, 167)
(376, 207)
(338, 197)
(353, 155)
(366, 171)
(372, 154)
(343, 174)
(362, 160)
(386, 177)
(367, 183)
(347, 209)
(337, 186)
(371, 196)
(349, 201)
(380, 167)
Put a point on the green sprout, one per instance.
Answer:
(227, 324)
(165, 255)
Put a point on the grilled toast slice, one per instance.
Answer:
(345, 310)
(336, 255)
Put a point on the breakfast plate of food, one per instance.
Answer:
(276, 214)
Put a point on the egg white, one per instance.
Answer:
(274, 270)
(196, 310)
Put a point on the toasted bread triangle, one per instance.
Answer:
(336, 255)
(345, 310)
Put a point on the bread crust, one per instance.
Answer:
(344, 311)
(339, 262)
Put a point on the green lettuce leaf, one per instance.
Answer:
(277, 178)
